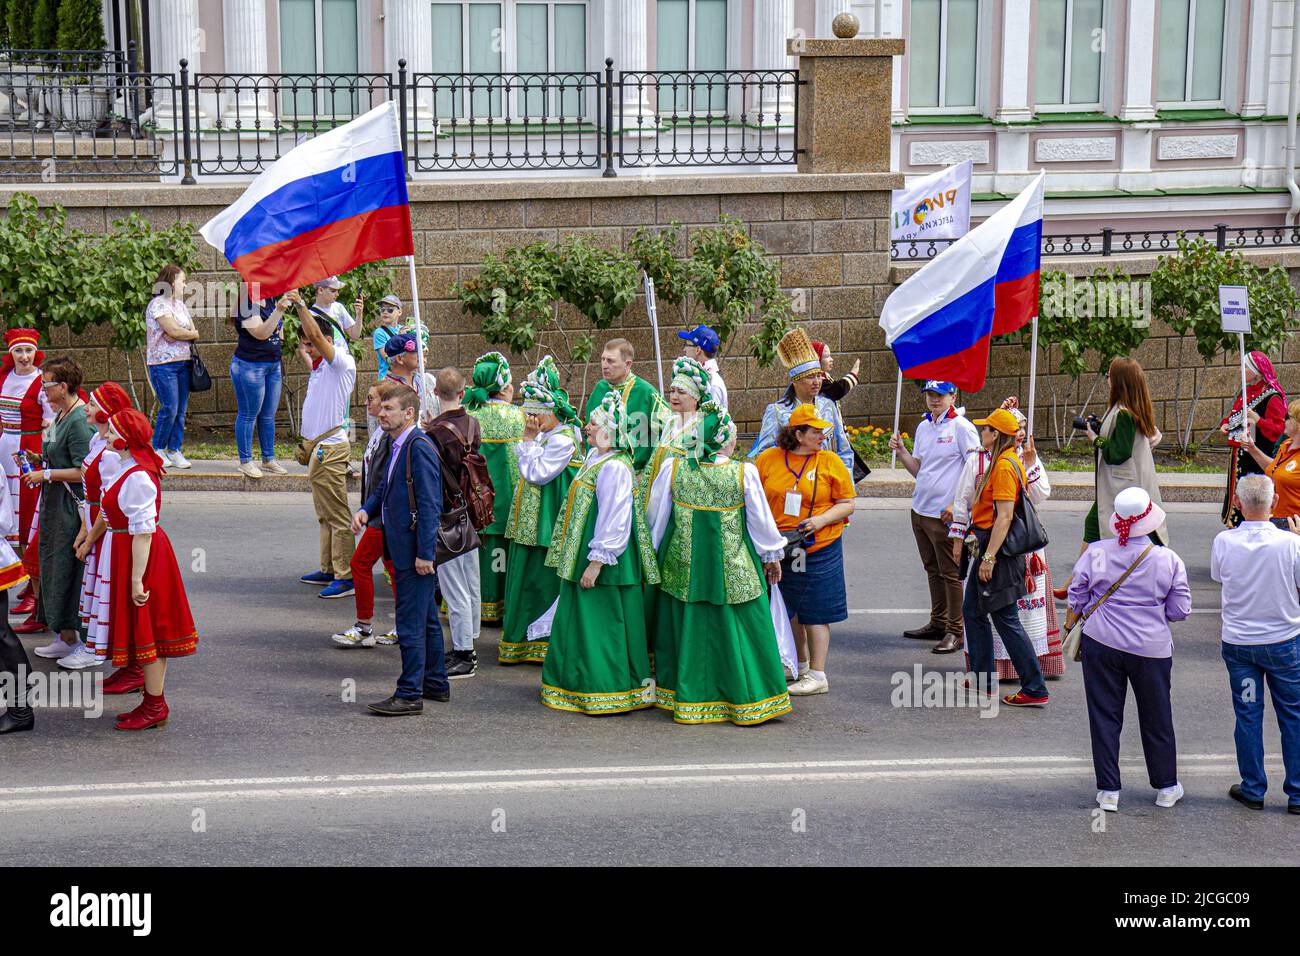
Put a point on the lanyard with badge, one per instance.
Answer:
(794, 498)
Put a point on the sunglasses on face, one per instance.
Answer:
(388, 308)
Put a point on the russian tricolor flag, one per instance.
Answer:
(940, 320)
(328, 205)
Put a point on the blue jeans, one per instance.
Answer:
(1249, 666)
(257, 393)
(419, 635)
(171, 383)
(979, 641)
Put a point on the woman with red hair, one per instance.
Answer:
(91, 545)
(149, 616)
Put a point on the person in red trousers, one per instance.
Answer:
(149, 620)
(370, 549)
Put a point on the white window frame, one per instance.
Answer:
(1190, 45)
(1107, 11)
(318, 19)
(510, 51)
(981, 58)
(729, 57)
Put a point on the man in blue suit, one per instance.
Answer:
(410, 533)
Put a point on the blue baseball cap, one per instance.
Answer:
(702, 337)
(943, 388)
(397, 344)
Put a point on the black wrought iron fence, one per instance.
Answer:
(1109, 241)
(69, 115)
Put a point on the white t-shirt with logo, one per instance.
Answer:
(942, 447)
(329, 396)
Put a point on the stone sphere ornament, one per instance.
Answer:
(845, 26)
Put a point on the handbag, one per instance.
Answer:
(1072, 643)
(200, 379)
(1026, 533)
(860, 468)
(302, 451)
(798, 537)
(456, 534)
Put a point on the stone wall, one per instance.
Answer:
(830, 233)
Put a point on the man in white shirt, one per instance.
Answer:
(324, 423)
(1258, 565)
(702, 343)
(944, 439)
(326, 300)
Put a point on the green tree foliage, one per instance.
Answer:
(81, 27)
(19, 17)
(1185, 295)
(45, 25)
(373, 280)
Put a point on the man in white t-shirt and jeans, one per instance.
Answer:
(325, 423)
(1258, 565)
(944, 438)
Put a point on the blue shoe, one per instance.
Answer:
(338, 588)
(318, 578)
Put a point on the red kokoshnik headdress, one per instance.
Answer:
(111, 399)
(135, 431)
(21, 337)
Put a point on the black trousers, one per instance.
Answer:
(1107, 674)
(13, 658)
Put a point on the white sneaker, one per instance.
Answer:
(388, 639)
(250, 470)
(178, 460)
(80, 658)
(1108, 800)
(58, 649)
(353, 637)
(1169, 795)
(807, 685)
(273, 467)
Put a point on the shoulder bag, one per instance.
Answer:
(1026, 533)
(200, 379)
(1072, 643)
(456, 534)
(302, 451)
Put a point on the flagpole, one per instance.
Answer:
(419, 338)
(652, 310)
(1033, 376)
(898, 406)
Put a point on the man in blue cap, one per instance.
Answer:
(944, 440)
(702, 344)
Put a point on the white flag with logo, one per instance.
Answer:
(936, 207)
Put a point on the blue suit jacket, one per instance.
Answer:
(389, 503)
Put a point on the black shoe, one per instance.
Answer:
(1293, 808)
(461, 664)
(17, 719)
(1235, 792)
(927, 633)
(397, 707)
(441, 696)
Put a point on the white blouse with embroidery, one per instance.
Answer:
(759, 523)
(543, 458)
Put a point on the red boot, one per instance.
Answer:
(125, 680)
(26, 606)
(31, 626)
(151, 713)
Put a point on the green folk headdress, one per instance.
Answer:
(491, 375)
(690, 376)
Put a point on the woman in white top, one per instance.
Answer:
(169, 330)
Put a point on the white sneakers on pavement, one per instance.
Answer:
(807, 685)
(81, 658)
(388, 639)
(353, 637)
(58, 649)
(273, 467)
(178, 460)
(1168, 796)
(1108, 800)
(249, 469)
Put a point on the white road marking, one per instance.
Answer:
(572, 778)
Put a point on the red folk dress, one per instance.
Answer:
(163, 627)
(23, 412)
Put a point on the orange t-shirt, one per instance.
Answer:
(1003, 485)
(820, 479)
(1285, 472)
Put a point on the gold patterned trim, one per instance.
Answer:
(523, 652)
(719, 711)
(491, 610)
(595, 704)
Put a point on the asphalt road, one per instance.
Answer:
(268, 758)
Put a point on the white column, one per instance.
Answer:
(1015, 95)
(773, 25)
(827, 11)
(1138, 98)
(246, 108)
(1254, 101)
(408, 35)
(176, 36)
(627, 40)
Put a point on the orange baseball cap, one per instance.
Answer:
(807, 415)
(1000, 420)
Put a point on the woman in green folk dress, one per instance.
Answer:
(501, 423)
(548, 456)
(715, 647)
(598, 660)
(689, 386)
